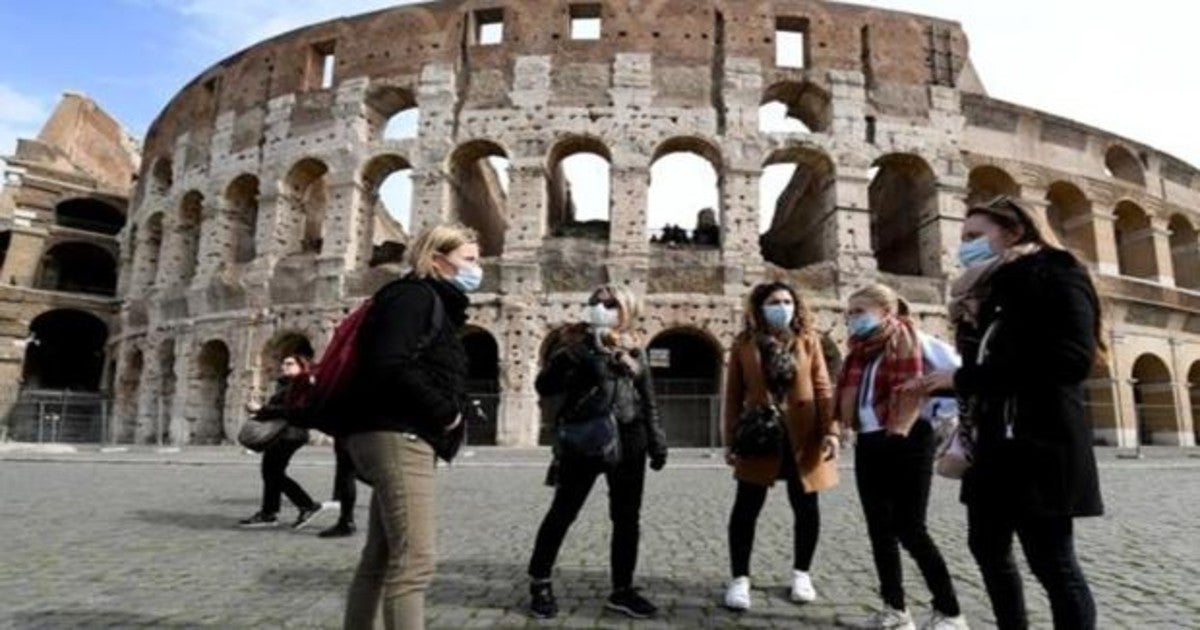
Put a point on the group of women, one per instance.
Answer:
(1026, 322)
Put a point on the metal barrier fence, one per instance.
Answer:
(690, 419)
(46, 416)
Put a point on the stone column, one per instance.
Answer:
(1100, 228)
(526, 206)
(25, 250)
(1127, 423)
(848, 232)
(941, 232)
(1161, 242)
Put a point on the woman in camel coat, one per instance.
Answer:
(777, 360)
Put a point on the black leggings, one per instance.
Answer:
(275, 480)
(893, 475)
(344, 490)
(806, 521)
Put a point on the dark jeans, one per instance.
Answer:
(344, 489)
(806, 521)
(893, 475)
(1049, 546)
(575, 480)
(275, 480)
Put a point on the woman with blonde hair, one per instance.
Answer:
(408, 395)
(607, 424)
(894, 451)
(777, 425)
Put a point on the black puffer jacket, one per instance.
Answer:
(592, 382)
(412, 367)
(1034, 452)
(277, 408)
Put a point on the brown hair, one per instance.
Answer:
(802, 321)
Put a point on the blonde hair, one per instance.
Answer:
(439, 239)
(630, 307)
(882, 296)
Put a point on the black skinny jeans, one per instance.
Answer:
(806, 519)
(344, 489)
(575, 480)
(1049, 545)
(275, 480)
(893, 475)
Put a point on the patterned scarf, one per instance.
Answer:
(902, 361)
(778, 364)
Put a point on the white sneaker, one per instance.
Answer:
(737, 596)
(891, 619)
(942, 622)
(802, 588)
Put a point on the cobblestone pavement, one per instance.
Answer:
(146, 539)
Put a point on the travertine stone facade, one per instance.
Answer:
(254, 221)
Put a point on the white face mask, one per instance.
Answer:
(602, 317)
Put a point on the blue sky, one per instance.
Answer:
(1126, 71)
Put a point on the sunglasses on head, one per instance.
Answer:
(607, 302)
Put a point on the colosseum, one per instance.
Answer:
(839, 142)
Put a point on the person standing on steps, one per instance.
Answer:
(777, 378)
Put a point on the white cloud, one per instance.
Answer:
(21, 116)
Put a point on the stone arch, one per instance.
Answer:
(64, 350)
(1135, 242)
(387, 195)
(1100, 406)
(478, 192)
(685, 191)
(1122, 164)
(306, 198)
(686, 364)
(988, 182)
(209, 389)
(392, 113)
(1185, 252)
(797, 199)
(89, 214)
(241, 202)
(902, 198)
(795, 107)
(1154, 401)
(78, 267)
(579, 189)
(1069, 214)
(483, 381)
(162, 176)
(187, 234)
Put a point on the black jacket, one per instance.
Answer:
(277, 408)
(591, 382)
(412, 368)
(1034, 450)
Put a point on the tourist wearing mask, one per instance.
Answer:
(276, 456)
(607, 424)
(894, 449)
(777, 425)
(408, 397)
(1029, 329)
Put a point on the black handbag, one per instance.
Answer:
(594, 438)
(759, 432)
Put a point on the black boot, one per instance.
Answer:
(541, 600)
(341, 529)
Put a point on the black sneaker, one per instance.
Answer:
(541, 601)
(258, 521)
(341, 529)
(629, 602)
(307, 515)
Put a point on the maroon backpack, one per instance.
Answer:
(330, 379)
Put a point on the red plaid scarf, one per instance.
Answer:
(902, 361)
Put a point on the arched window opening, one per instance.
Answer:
(1185, 252)
(483, 382)
(187, 234)
(306, 192)
(684, 200)
(903, 201)
(478, 181)
(1120, 163)
(242, 200)
(1135, 242)
(686, 370)
(152, 249)
(579, 190)
(209, 387)
(1069, 214)
(392, 113)
(387, 196)
(794, 107)
(78, 268)
(797, 200)
(64, 351)
(162, 176)
(988, 182)
(1154, 401)
(92, 215)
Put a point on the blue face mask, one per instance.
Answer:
(778, 316)
(468, 278)
(863, 325)
(976, 252)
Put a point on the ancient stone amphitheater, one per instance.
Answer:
(257, 220)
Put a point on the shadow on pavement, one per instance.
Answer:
(56, 619)
(192, 520)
